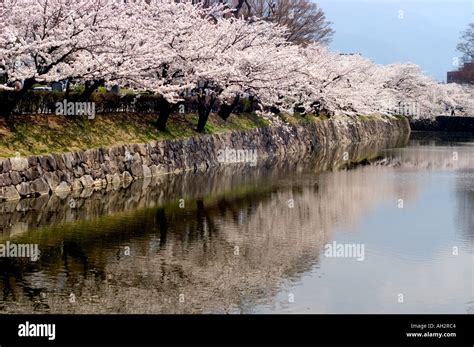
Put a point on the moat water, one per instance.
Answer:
(381, 228)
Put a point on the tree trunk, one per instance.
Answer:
(164, 113)
(226, 110)
(203, 112)
(91, 89)
(10, 108)
(68, 89)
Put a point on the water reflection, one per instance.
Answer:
(228, 240)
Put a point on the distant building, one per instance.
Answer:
(464, 75)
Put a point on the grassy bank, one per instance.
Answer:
(42, 134)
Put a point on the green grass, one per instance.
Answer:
(399, 116)
(311, 118)
(43, 134)
(371, 117)
(300, 119)
(368, 117)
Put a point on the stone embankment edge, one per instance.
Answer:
(22, 177)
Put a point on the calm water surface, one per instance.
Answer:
(242, 239)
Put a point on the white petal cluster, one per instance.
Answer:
(170, 48)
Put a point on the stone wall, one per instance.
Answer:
(120, 165)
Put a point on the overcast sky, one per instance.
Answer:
(424, 32)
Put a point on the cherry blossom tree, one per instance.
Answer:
(218, 58)
(180, 49)
(53, 40)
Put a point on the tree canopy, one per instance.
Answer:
(171, 48)
(466, 46)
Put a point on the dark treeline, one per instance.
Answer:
(46, 102)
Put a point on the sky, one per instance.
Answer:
(424, 32)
